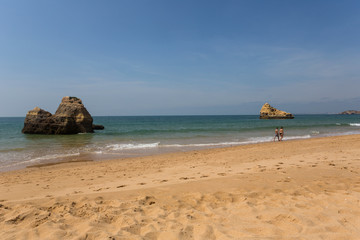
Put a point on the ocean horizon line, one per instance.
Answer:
(189, 115)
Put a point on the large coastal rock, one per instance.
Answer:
(269, 112)
(350, 112)
(71, 117)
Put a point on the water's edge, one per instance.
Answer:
(126, 137)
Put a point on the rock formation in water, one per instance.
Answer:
(98, 127)
(269, 112)
(350, 112)
(71, 117)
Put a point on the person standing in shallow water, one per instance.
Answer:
(281, 133)
(276, 134)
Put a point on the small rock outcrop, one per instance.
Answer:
(269, 112)
(350, 112)
(71, 117)
(98, 127)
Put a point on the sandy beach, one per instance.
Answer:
(301, 189)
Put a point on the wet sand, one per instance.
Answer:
(301, 189)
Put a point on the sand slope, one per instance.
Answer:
(305, 189)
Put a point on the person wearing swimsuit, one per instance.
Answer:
(281, 133)
(276, 134)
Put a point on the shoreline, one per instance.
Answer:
(85, 157)
(94, 157)
(141, 136)
(298, 189)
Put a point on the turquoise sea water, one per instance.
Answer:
(136, 136)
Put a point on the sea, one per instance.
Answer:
(128, 136)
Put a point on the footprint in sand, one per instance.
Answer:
(186, 178)
(221, 174)
(163, 180)
(17, 219)
(121, 186)
(287, 179)
(99, 200)
(148, 200)
(141, 183)
(4, 207)
(204, 176)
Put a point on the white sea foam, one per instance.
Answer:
(248, 141)
(259, 140)
(203, 144)
(53, 156)
(297, 137)
(269, 139)
(341, 133)
(355, 124)
(130, 146)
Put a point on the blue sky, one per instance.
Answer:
(142, 57)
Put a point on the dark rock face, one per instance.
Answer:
(71, 117)
(350, 112)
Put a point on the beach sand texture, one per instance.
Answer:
(301, 189)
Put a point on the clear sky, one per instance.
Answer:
(142, 57)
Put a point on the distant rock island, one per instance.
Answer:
(269, 112)
(71, 117)
(350, 112)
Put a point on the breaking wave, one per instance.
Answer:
(129, 146)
